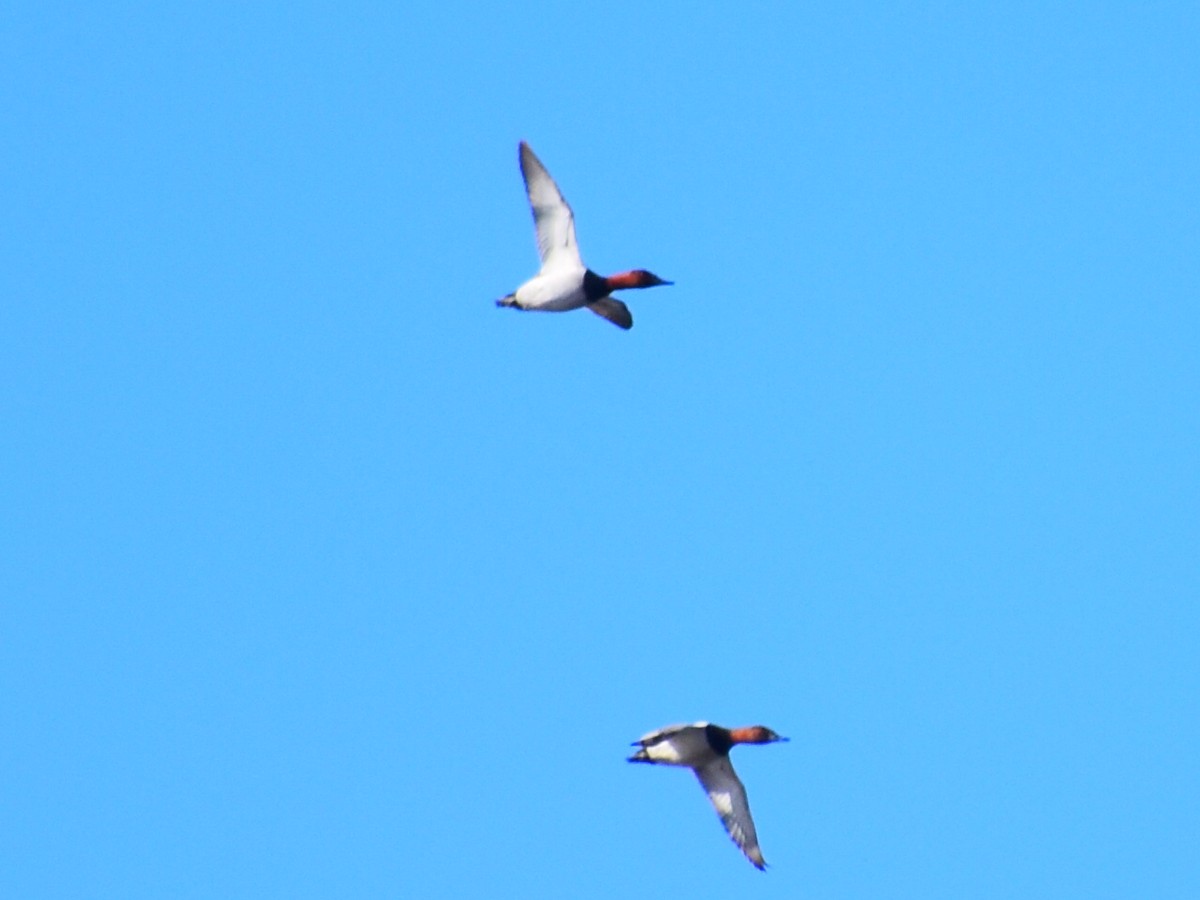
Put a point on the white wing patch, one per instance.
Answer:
(728, 798)
(552, 217)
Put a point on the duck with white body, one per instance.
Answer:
(564, 282)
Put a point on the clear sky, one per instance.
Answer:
(323, 577)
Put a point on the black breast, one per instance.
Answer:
(718, 738)
(594, 286)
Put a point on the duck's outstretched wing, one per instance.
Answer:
(552, 217)
(728, 797)
(614, 310)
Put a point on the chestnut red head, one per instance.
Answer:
(636, 278)
(755, 734)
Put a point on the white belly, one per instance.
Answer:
(553, 291)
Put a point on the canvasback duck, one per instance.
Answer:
(564, 282)
(704, 748)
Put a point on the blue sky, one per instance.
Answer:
(323, 577)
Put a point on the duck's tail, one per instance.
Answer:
(510, 300)
(640, 756)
